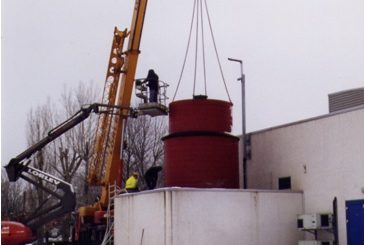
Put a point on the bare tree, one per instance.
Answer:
(143, 145)
(39, 123)
(12, 199)
(67, 156)
(73, 149)
(70, 152)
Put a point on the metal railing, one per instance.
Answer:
(143, 92)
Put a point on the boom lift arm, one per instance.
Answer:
(62, 191)
(18, 167)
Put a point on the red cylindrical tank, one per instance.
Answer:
(204, 160)
(198, 151)
(15, 233)
(200, 115)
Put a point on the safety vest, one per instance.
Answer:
(131, 183)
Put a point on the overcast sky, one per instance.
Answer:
(295, 53)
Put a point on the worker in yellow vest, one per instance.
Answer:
(131, 185)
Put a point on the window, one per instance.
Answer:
(284, 183)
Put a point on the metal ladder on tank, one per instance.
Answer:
(108, 239)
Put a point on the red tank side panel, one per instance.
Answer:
(202, 162)
(200, 115)
(15, 233)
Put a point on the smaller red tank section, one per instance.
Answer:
(200, 114)
(15, 233)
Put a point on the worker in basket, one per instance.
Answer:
(131, 185)
(152, 83)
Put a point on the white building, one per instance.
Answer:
(314, 160)
(322, 156)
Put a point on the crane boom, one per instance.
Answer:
(105, 132)
(106, 166)
(124, 93)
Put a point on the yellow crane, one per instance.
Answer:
(105, 167)
(106, 164)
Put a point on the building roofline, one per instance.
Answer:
(355, 108)
(347, 90)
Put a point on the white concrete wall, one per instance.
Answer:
(185, 216)
(141, 217)
(324, 158)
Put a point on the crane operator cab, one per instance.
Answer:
(152, 93)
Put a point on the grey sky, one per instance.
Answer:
(295, 52)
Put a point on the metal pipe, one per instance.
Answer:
(242, 79)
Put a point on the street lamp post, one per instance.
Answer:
(244, 165)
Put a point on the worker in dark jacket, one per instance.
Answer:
(152, 83)
(151, 176)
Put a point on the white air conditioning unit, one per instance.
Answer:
(310, 242)
(314, 221)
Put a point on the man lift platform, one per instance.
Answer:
(148, 107)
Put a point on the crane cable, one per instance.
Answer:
(186, 51)
(216, 51)
(196, 6)
(203, 47)
(196, 45)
